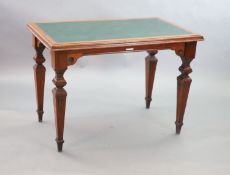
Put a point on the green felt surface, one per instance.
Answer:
(109, 29)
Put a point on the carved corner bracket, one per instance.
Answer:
(187, 51)
(187, 54)
(72, 58)
(39, 48)
(180, 52)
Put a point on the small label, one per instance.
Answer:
(129, 48)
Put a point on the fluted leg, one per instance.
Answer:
(183, 83)
(39, 77)
(150, 68)
(59, 99)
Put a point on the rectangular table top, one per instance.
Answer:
(77, 33)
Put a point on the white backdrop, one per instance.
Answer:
(108, 131)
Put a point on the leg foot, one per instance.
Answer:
(178, 127)
(148, 101)
(150, 68)
(40, 115)
(59, 145)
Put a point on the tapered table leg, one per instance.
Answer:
(184, 82)
(59, 99)
(59, 64)
(150, 68)
(39, 76)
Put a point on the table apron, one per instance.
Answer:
(122, 49)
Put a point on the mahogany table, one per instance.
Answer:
(68, 41)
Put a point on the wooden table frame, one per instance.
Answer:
(66, 54)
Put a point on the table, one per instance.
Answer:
(69, 40)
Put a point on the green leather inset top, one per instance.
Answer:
(109, 29)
